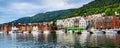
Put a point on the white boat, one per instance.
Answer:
(60, 31)
(25, 31)
(46, 31)
(98, 32)
(70, 31)
(1, 32)
(111, 31)
(35, 30)
(15, 30)
(85, 32)
(10, 32)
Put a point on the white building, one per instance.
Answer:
(83, 22)
(35, 28)
(76, 21)
(72, 22)
(68, 22)
(65, 23)
(60, 23)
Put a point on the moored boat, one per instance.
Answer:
(60, 31)
(25, 31)
(46, 31)
(111, 31)
(15, 30)
(98, 32)
(35, 30)
(85, 32)
(70, 31)
(1, 32)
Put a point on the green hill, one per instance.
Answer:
(97, 6)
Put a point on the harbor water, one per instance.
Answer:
(63, 40)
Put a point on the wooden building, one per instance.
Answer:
(114, 22)
(107, 22)
(9, 28)
(1, 28)
(22, 27)
(98, 23)
(5, 28)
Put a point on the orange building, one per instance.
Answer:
(40, 27)
(22, 27)
(5, 28)
(30, 27)
(49, 27)
(45, 27)
(9, 28)
(115, 22)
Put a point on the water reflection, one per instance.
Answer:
(52, 40)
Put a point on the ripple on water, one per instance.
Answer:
(58, 40)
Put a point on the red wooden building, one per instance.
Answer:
(114, 22)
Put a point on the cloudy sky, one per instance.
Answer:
(14, 9)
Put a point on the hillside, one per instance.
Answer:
(97, 6)
(42, 17)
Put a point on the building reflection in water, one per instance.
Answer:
(53, 40)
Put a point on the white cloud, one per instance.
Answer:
(52, 5)
(23, 9)
(29, 9)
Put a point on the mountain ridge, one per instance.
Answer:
(95, 7)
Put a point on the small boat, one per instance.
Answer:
(10, 32)
(60, 31)
(116, 29)
(111, 31)
(1, 32)
(35, 30)
(70, 31)
(46, 31)
(85, 32)
(15, 30)
(98, 32)
(25, 31)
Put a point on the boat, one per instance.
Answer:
(111, 31)
(15, 30)
(25, 31)
(60, 31)
(46, 32)
(35, 30)
(1, 32)
(98, 32)
(70, 31)
(85, 32)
